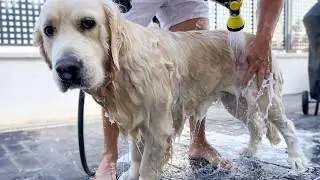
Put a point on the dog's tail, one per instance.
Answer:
(273, 134)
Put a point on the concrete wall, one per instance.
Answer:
(294, 68)
(29, 97)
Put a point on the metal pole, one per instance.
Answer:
(252, 17)
(216, 16)
(287, 25)
(1, 24)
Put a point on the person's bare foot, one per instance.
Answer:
(207, 152)
(106, 169)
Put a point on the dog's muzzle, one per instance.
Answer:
(68, 68)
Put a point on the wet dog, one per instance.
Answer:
(150, 80)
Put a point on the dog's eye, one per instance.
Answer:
(87, 23)
(49, 30)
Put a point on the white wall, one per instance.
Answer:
(29, 97)
(294, 68)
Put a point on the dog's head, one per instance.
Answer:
(78, 39)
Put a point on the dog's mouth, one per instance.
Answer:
(84, 82)
(65, 85)
(81, 78)
(77, 80)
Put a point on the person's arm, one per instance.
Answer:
(258, 50)
(268, 16)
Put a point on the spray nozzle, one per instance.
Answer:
(235, 5)
(235, 21)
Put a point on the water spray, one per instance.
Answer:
(237, 40)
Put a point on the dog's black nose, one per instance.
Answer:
(68, 68)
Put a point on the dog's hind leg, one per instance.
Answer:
(236, 109)
(247, 114)
(277, 116)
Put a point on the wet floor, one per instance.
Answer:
(52, 153)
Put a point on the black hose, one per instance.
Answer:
(80, 135)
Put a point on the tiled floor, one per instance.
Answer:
(52, 153)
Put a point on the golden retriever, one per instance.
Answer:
(150, 80)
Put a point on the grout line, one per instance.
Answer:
(29, 151)
(14, 162)
(25, 147)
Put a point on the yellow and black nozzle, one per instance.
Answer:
(235, 22)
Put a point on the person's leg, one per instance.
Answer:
(107, 167)
(191, 24)
(182, 15)
(143, 11)
(199, 146)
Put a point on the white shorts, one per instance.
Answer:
(168, 12)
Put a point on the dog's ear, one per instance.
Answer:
(116, 30)
(38, 42)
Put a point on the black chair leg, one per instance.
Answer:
(317, 108)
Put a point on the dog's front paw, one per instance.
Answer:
(124, 176)
(127, 176)
(298, 162)
(248, 152)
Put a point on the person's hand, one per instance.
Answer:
(257, 55)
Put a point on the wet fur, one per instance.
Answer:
(161, 78)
